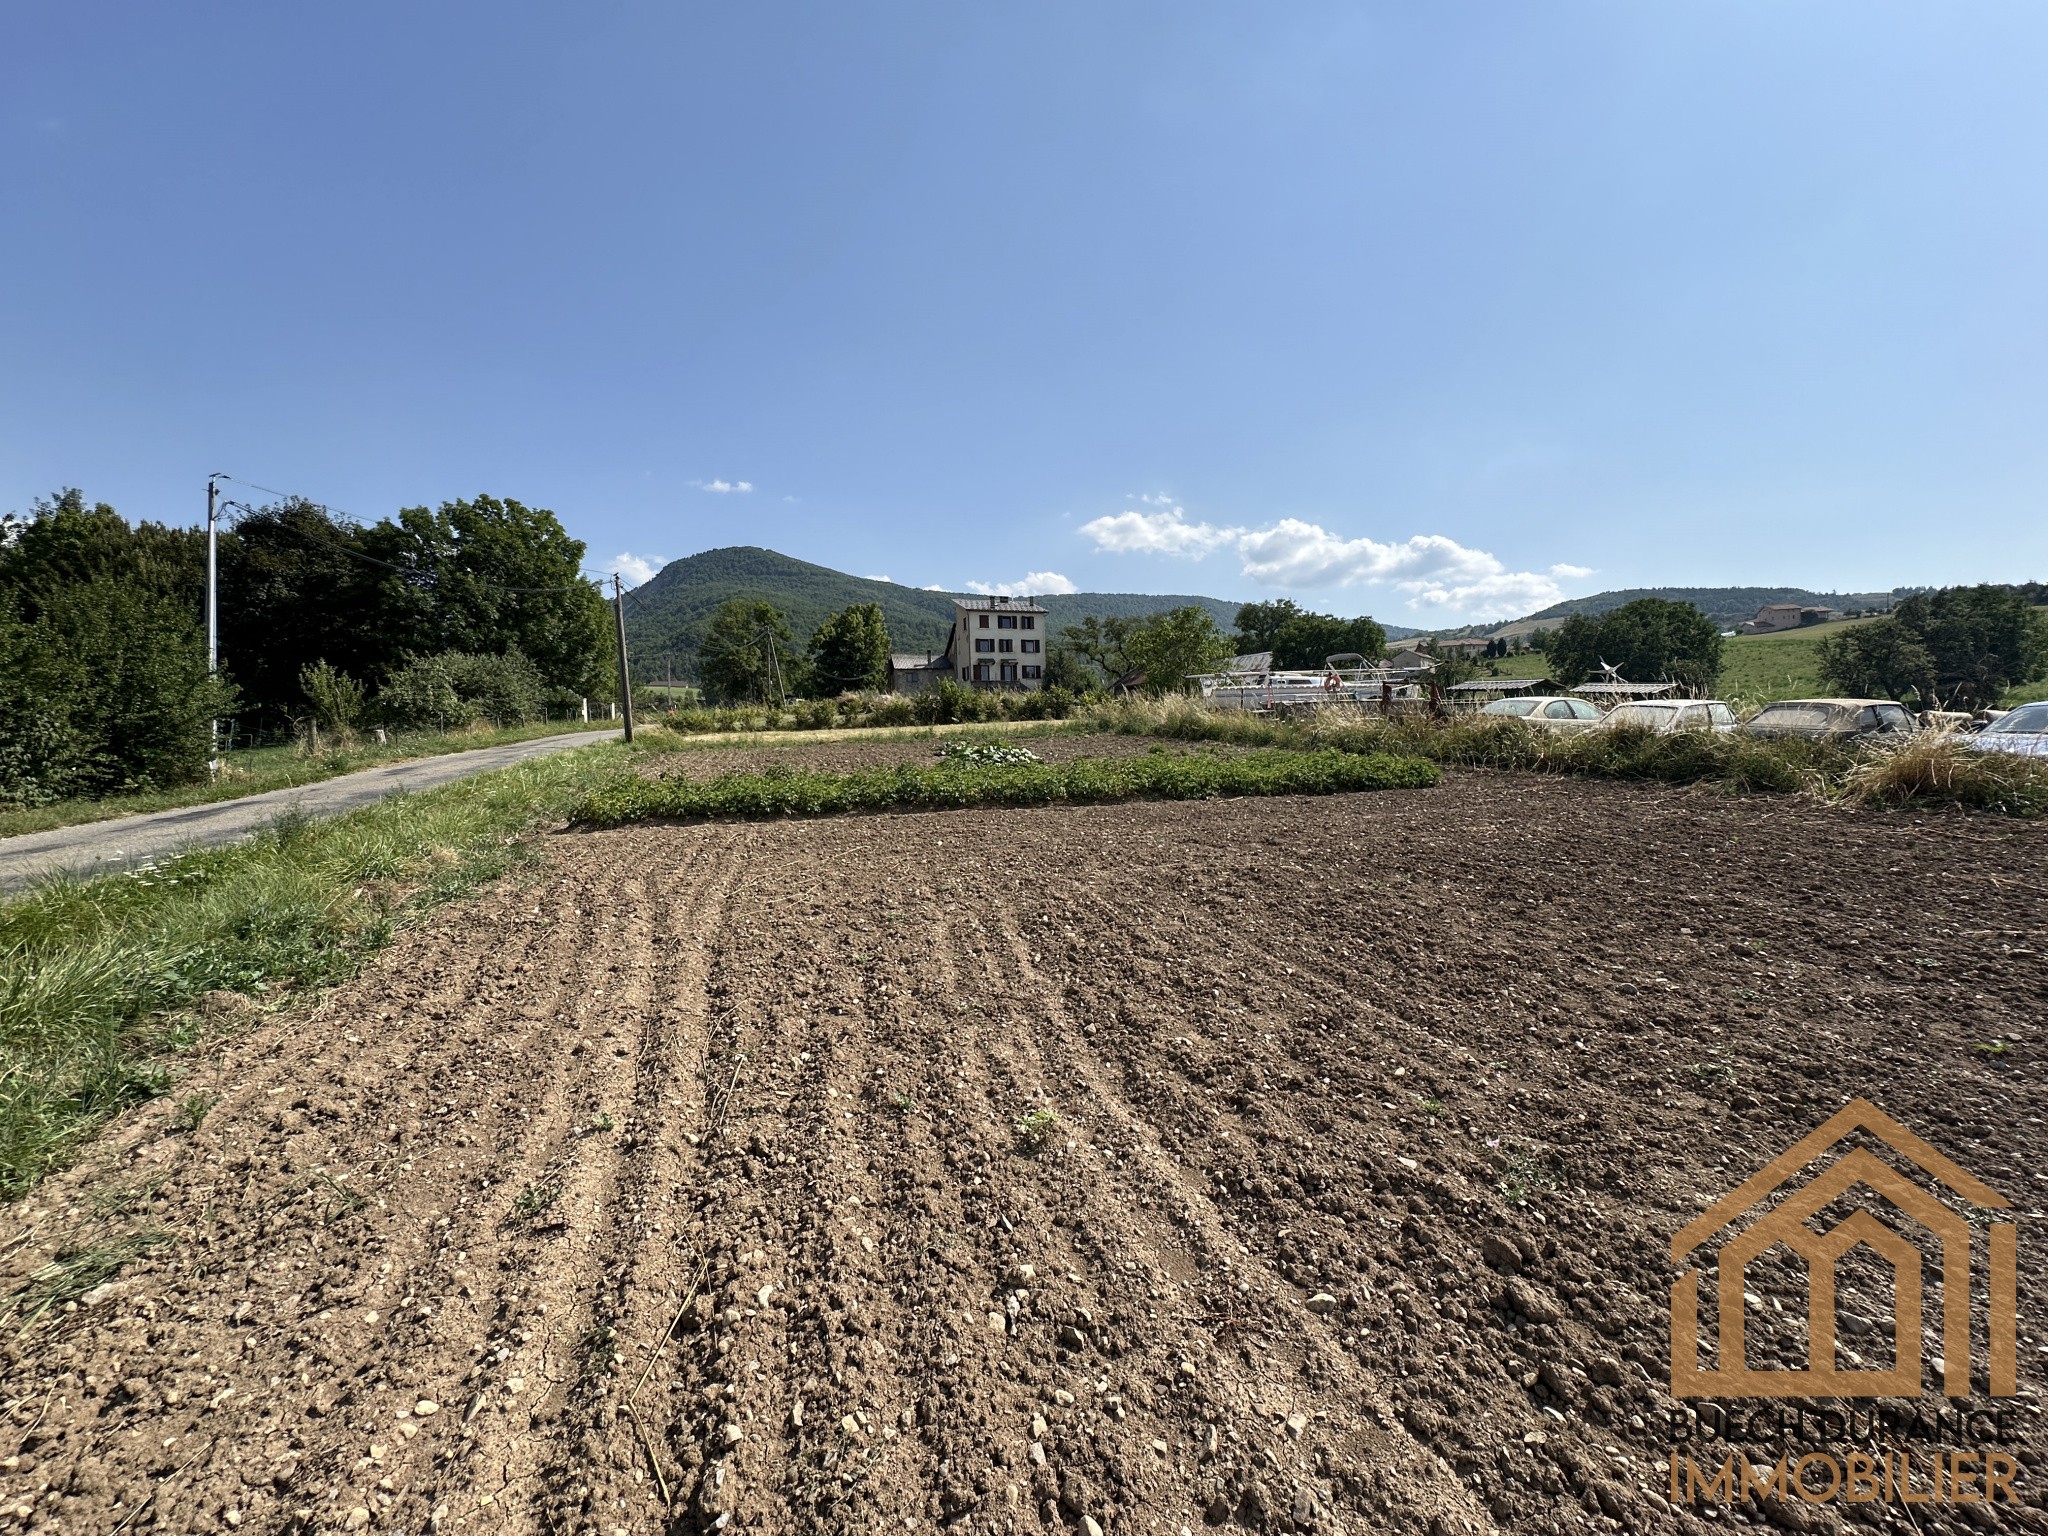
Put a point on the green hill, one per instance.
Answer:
(1726, 606)
(666, 617)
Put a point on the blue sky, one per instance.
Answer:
(1430, 311)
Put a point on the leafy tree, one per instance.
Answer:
(1649, 640)
(747, 653)
(337, 698)
(1171, 646)
(295, 593)
(64, 543)
(1104, 642)
(421, 696)
(1066, 668)
(850, 651)
(486, 577)
(1960, 645)
(107, 685)
(1300, 639)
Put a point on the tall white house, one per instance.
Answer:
(995, 642)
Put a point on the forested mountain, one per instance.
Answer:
(666, 617)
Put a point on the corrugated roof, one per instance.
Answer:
(1005, 604)
(1623, 690)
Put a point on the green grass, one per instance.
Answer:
(955, 785)
(1757, 669)
(263, 768)
(99, 979)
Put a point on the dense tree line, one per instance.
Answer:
(1647, 641)
(1961, 646)
(475, 609)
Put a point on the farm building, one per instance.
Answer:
(995, 642)
(1773, 617)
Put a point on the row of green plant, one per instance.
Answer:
(957, 784)
(100, 979)
(948, 703)
(1924, 768)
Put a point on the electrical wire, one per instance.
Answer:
(372, 559)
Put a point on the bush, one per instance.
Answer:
(954, 785)
(1925, 768)
(458, 688)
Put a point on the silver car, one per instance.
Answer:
(1552, 712)
(2022, 731)
(1664, 716)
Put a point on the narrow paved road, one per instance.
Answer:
(103, 846)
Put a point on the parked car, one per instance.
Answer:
(1552, 712)
(1833, 719)
(1666, 715)
(2022, 731)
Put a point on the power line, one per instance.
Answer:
(372, 559)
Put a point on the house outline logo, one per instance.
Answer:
(1787, 1223)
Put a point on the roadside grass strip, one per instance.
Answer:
(1928, 769)
(958, 785)
(106, 983)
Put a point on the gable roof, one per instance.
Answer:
(1856, 1115)
(1003, 604)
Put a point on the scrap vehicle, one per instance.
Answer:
(1833, 719)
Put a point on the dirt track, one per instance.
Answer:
(683, 1178)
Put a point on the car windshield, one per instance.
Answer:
(1798, 716)
(2024, 721)
(1641, 714)
(1509, 707)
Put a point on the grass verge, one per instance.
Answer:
(1930, 769)
(263, 768)
(959, 784)
(102, 981)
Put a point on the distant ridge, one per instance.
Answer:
(1727, 606)
(667, 615)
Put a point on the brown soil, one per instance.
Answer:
(685, 1177)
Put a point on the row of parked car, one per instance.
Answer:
(2023, 730)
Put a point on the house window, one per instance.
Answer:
(1007, 621)
(1030, 623)
(1009, 671)
(981, 671)
(984, 621)
(1004, 645)
(1030, 646)
(1034, 671)
(984, 645)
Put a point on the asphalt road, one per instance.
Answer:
(102, 847)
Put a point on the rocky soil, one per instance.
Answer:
(1280, 1164)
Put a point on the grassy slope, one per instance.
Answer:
(1756, 669)
(253, 772)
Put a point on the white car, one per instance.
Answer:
(1553, 712)
(2022, 731)
(1664, 716)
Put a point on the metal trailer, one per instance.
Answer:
(1346, 678)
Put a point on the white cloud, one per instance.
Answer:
(724, 487)
(935, 587)
(890, 579)
(638, 568)
(1034, 584)
(1434, 571)
(1158, 533)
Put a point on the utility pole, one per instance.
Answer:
(625, 676)
(213, 612)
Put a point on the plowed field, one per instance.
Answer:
(689, 1181)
